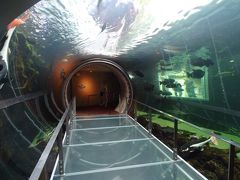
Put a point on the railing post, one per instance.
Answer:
(150, 121)
(175, 137)
(126, 112)
(60, 152)
(231, 162)
(44, 174)
(68, 126)
(74, 106)
(68, 123)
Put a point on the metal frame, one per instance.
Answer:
(49, 108)
(190, 124)
(232, 144)
(151, 140)
(56, 136)
(165, 146)
(231, 162)
(99, 61)
(12, 101)
(55, 104)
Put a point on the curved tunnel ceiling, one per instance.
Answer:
(139, 35)
(111, 27)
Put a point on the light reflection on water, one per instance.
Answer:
(107, 27)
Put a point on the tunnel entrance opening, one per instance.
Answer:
(96, 89)
(100, 87)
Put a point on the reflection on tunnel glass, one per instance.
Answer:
(181, 57)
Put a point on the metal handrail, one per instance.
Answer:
(55, 136)
(195, 126)
(5, 103)
(232, 144)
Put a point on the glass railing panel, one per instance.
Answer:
(207, 153)
(162, 126)
(224, 121)
(24, 137)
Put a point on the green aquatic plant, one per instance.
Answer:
(41, 137)
(203, 53)
(27, 62)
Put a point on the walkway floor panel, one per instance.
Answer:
(118, 148)
(113, 121)
(104, 134)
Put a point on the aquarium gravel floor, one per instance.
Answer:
(117, 148)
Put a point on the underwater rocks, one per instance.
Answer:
(210, 161)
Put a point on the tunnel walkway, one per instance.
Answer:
(116, 147)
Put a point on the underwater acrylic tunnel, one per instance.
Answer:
(120, 89)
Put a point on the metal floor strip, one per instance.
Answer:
(118, 168)
(109, 127)
(107, 142)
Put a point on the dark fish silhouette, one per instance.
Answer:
(197, 74)
(139, 73)
(167, 81)
(201, 62)
(165, 93)
(174, 85)
(178, 88)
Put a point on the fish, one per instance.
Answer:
(201, 62)
(148, 87)
(167, 81)
(196, 74)
(178, 88)
(18, 21)
(174, 85)
(165, 93)
(139, 73)
(191, 146)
